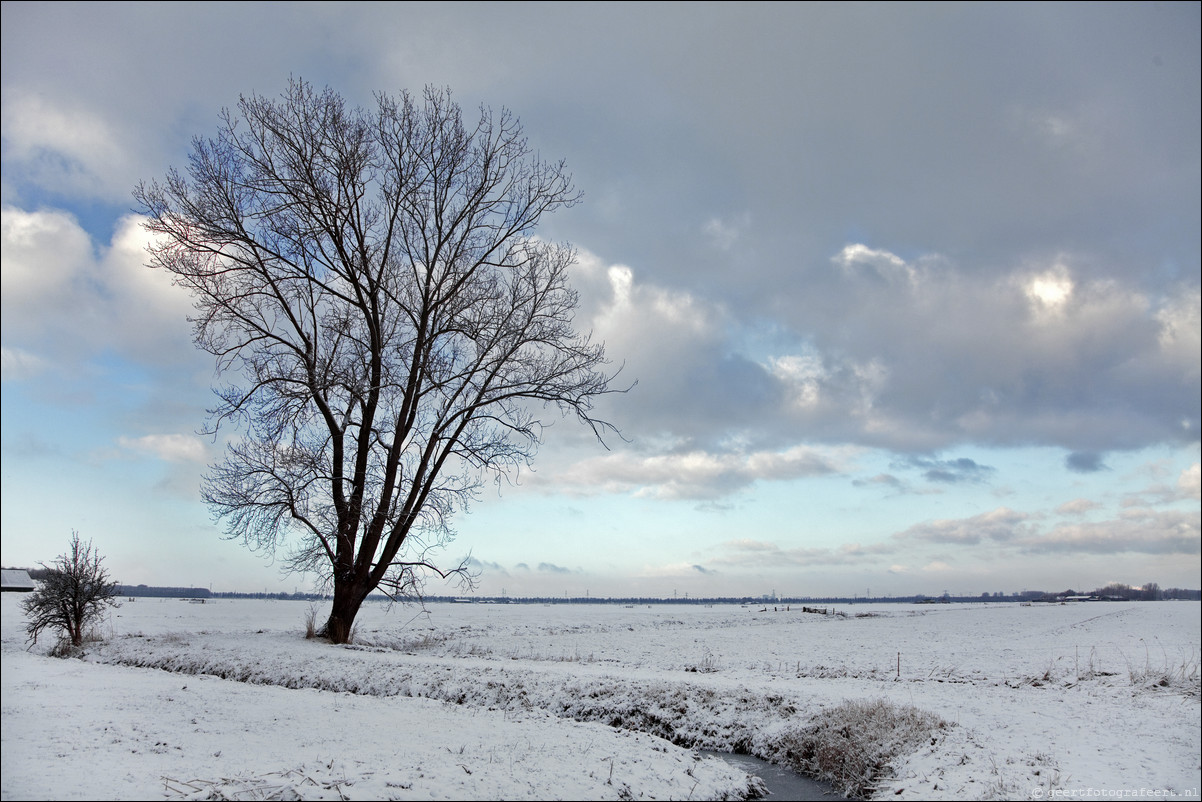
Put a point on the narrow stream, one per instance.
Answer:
(781, 782)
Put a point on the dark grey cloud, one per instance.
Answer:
(552, 568)
(1085, 462)
(951, 471)
(882, 480)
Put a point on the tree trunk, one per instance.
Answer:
(348, 597)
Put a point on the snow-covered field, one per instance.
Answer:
(483, 701)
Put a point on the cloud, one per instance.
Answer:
(999, 526)
(859, 260)
(70, 296)
(45, 254)
(883, 479)
(1140, 531)
(676, 570)
(17, 364)
(696, 475)
(951, 471)
(552, 568)
(1190, 482)
(1077, 506)
(1162, 490)
(724, 234)
(747, 553)
(168, 447)
(1050, 290)
(694, 384)
(927, 353)
(1025, 314)
(477, 564)
(86, 325)
(64, 148)
(897, 485)
(1085, 462)
(30, 446)
(1180, 334)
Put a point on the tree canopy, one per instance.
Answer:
(390, 325)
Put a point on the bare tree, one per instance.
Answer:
(375, 278)
(74, 592)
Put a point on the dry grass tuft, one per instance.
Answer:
(311, 622)
(852, 744)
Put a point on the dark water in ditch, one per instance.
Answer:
(781, 783)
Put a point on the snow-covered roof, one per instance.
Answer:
(14, 579)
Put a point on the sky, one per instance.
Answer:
(910, 292)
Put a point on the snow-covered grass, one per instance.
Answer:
(852, 743)
(605, 701)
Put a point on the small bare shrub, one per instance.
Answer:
(74, 593)
(852, 744)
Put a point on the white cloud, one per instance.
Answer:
(1138, 530)
(162, 309)
(1190, 482)
(998, 525)
(44, 252)
(622, 309)
(1051, 289)
(68, 296)
(764, 555)
(804, 374)
(691, 475)
(168, 447)
(19, 364)
(1077, 506)
(887, 265)
(66, 149)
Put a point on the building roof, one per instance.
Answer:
(14, 579)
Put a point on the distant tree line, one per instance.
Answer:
(1115, 591)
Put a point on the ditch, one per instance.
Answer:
(780, 782)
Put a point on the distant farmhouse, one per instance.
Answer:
(16, 580)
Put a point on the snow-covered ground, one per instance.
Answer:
(484, 701)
